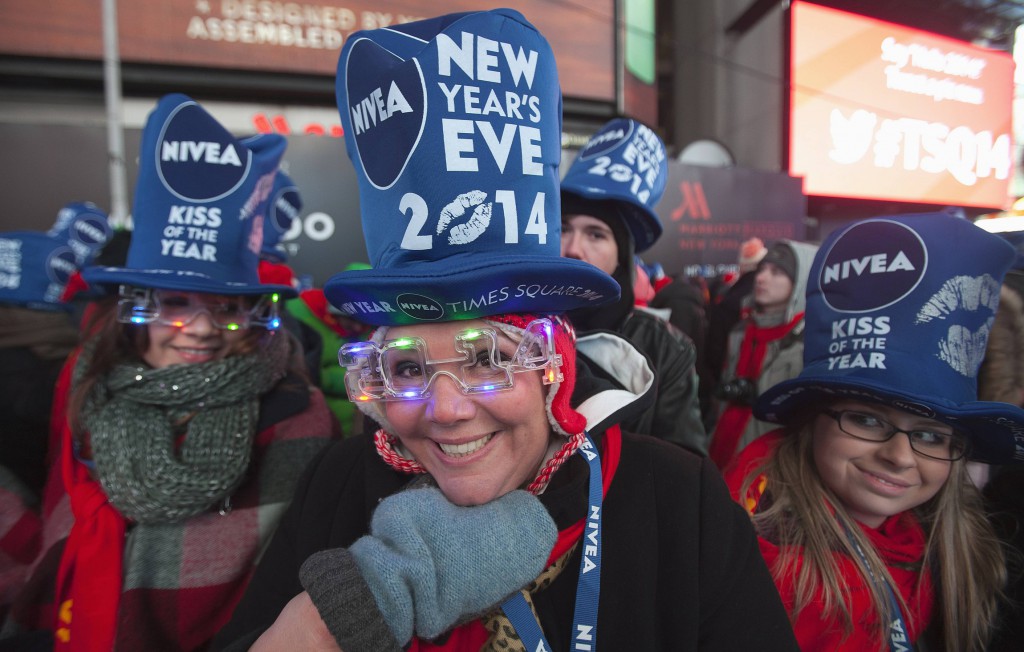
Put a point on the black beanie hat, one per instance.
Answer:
(782, 256)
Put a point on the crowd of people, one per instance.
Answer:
(500, 433)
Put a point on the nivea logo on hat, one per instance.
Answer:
(84, 227)
(197, 160)
(420, 307)
(60, 265)
(873, 265)
(391, 123)
(285, 208)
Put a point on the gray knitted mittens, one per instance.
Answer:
(427, 564)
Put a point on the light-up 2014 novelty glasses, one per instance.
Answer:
(399, 370)
(177, 308)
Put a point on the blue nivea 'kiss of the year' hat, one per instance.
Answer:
(624, 162)
(199, 207)
(283, 208)
(899, 311)
(453, 125)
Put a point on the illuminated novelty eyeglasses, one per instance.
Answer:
(399, 370)
(176, 308)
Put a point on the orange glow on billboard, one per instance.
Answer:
(883, 111)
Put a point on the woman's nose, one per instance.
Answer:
(898, 451)
(447, 403)
(201, 325)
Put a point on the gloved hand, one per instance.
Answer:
(428, 564)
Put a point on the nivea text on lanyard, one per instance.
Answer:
(588, 588)
(898, 639)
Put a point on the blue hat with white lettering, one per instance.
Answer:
(623, 163)
(200, 206)
(453, 125)
(282, 209)
(84, 227)
(34, 269)
(898, 312)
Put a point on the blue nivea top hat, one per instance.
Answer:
(35, 267)
(453, 125)
(199, 208)
(623, 162)
(282, 209)
(899, 311)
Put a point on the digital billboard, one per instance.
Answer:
(884, 111)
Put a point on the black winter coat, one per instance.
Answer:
(681, 569)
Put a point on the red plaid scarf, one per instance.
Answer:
(166, 586)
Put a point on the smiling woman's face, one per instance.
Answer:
(199, 340)
(876, 480)
(476, 447)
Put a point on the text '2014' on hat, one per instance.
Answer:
(453, 125)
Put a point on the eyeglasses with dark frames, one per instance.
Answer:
(946, 446)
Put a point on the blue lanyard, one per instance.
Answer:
(899, 638)
(588, 588)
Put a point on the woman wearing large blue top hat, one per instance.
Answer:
(185, 415)
(862, 502)
(498, 505)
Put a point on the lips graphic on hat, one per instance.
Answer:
(200, 203)
(453, 126)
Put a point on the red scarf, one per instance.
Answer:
(89, 578)
(899, 541)
(473, 635)
(735, 418)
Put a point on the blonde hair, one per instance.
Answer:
(807, 522)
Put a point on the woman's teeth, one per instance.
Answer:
(461, 450)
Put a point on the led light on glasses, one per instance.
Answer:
(400, 370)
(177, 308)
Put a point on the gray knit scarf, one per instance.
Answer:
(134, 413)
